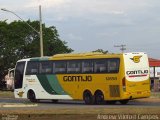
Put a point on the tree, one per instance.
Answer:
(101, 50)
(18, 40)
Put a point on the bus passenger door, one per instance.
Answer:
(18, 79)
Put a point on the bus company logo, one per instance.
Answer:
(137, 73)
(136, 59)
(77, 78)
(20, 94)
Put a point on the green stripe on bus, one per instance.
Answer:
(51, 84)
(55, 84)
(45, 84)
(39, 59)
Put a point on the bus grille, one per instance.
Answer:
(114, 91)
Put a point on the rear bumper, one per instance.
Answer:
(136, 95)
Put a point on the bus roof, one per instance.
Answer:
(83, 55)
(79, 56)
(36, 59)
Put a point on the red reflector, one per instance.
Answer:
(124, 82)
(137, 75)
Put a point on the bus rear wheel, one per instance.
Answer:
(31, 96)
(88, 98)
(99, 98)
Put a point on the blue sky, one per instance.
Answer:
(88, 25)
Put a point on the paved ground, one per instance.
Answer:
(11, 103)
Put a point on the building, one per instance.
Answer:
(155, 74)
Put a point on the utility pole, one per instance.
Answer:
(41, 34)
(122, 47)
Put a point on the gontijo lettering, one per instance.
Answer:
(87, 78)
(136, 72)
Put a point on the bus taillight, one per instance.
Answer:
(124, 84)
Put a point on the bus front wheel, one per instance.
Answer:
(88, 98)
(31, 96)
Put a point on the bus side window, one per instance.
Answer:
(87, 66)
(59, 67)
(100, 66)
(32, 68)
(113, 66)
(73, 67)
(45, 67)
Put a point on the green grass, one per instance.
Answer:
(6, 94)
(155, 94)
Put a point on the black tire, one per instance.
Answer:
(88, 98)
(124, 102)
(99, 98)
(54, 101)
(32, 96)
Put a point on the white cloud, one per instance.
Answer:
(47, 3)
(64, 9)
(100, 22)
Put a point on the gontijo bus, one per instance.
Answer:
(92, 77)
